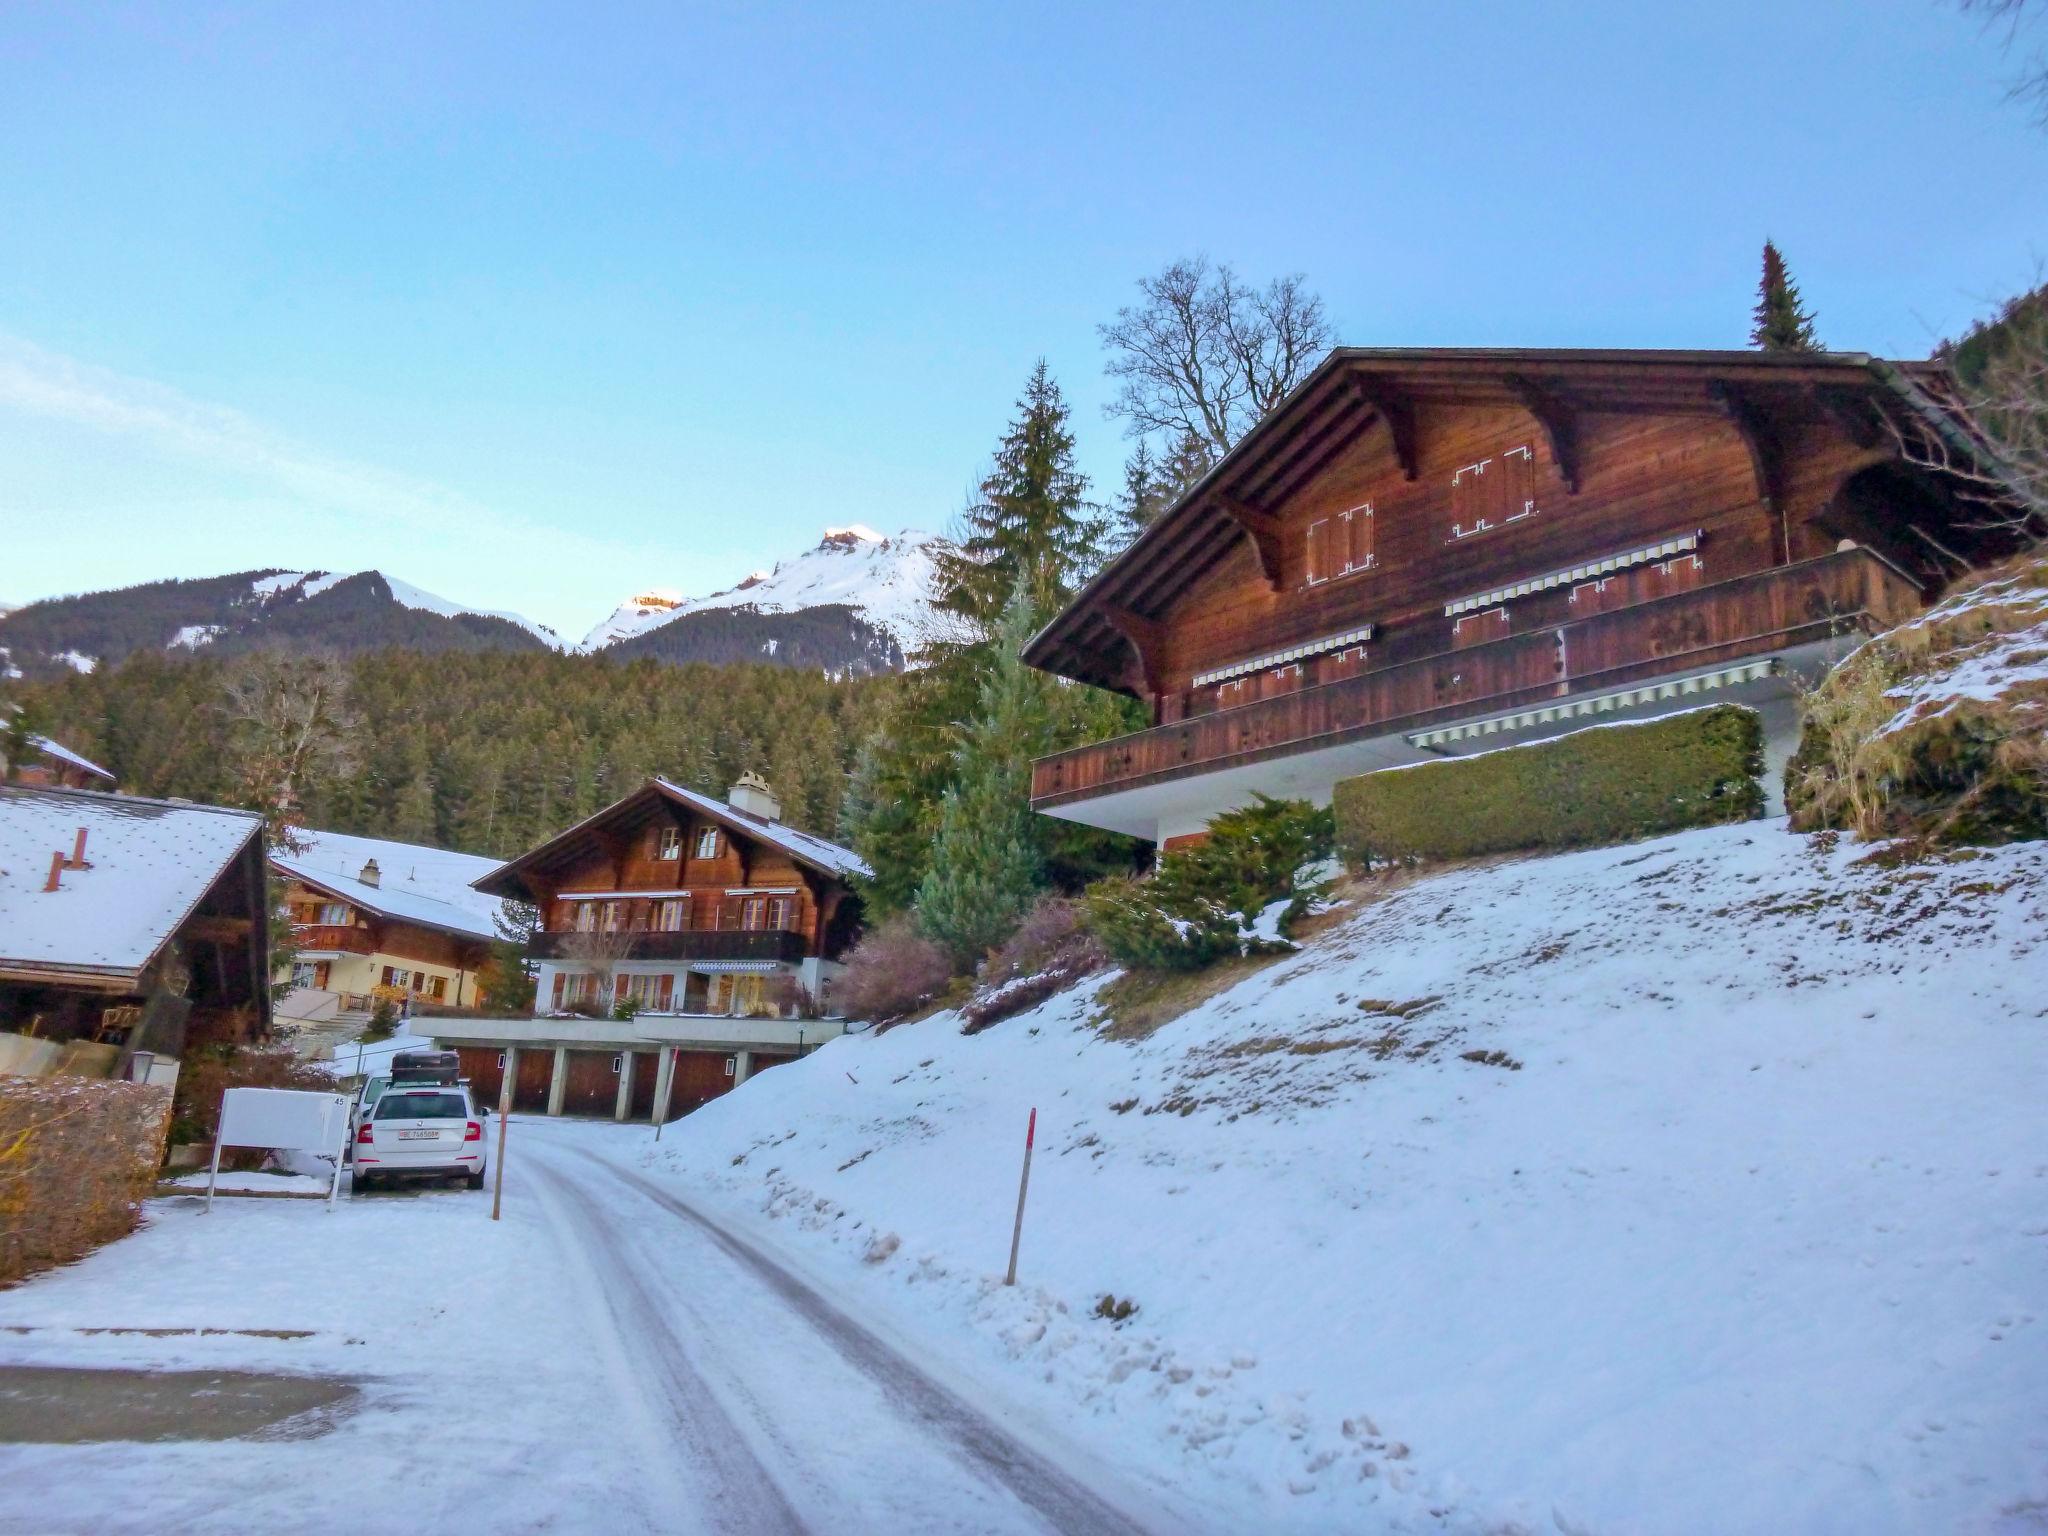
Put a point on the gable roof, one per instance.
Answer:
(430, 887)
(827, 858)
(149, 863)
(1356, 390)
(64, 754)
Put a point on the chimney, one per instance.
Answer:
(77, 859)
(56, 870)
(371, 875)
(753, 796)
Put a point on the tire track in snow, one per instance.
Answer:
(739, 1495)
(1067, 1505)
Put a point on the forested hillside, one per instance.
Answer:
(486, 752)
(233, 614)
(832, 638)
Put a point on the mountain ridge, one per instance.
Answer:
(853, 605)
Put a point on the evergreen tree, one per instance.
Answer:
(1781, 322)
(412, 818)
(1142, 499)
(986, 869)
(1033, 522)
(1183, 468)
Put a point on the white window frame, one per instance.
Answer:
(670, 843)
(334, 914)
(707, 843)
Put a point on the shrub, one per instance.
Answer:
(1206, 900)
(893, 970)
(1605, 785)
(1048, 953)
(209, 1071)
(77, 1156)
(1934, 730)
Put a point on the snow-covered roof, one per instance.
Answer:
(814, 850)
(430, 886)
(147, 865)
(64, 754)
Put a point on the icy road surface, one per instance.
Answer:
(606, 1359)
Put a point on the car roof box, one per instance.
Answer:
(425, 1067)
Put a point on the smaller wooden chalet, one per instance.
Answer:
(129, 929)
(715, 925)
(1422, 553)
(377, 920)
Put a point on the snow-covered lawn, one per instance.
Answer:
(1694, 1186)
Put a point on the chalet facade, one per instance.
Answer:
(130, 929)
(52, 765)
(710, 925)
(375, 920)
(1427, 553)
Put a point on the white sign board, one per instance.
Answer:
(283, 1120)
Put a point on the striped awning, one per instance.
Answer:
(735, 967)
(1326, 644)
(1679, 544)
(1598, 704)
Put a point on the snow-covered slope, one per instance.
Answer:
(884, 580)
(1694, 1186)
(405, 594)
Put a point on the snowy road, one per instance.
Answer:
(766, 1407)
(605, 1359)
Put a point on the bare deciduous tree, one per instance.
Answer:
(1204, 354)
(598, 952)
(2000, 453)
(2030, 86)
(293, 726)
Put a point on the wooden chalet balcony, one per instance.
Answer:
(1853, 590)
(685, 944)
(347, 940)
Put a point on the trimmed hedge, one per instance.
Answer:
(1605, 785)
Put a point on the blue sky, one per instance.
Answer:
(536, 305)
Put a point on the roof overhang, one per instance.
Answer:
(1357, 391)
(355, 899)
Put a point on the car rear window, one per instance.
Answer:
(423, 1106)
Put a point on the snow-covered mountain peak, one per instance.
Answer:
(885, 579)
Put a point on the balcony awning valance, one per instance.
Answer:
(1300, 652)
(735, 967)
(1592, 570)
(1598, 704)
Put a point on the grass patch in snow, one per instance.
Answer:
(1137, 1003)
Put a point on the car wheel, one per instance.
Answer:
(474, 1180)
(365, 1182)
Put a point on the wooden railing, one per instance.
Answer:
(686, 944)
(348, 940)
(1854, 590)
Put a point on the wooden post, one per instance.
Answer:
(505, 1080)
(1023, 1186)
(670, 1059)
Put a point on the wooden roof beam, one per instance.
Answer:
(1147, 640)
(1261, 527)
(1766, 456)
(1560, 424)
(1397, 411)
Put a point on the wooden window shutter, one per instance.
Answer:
(1517, 483)
(1318, 551)
(559, 981)
(665, 992)
(1358, 538)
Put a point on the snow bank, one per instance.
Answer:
(1696, 1185)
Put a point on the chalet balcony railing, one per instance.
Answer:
(1851, 591)
(685, 944)
(347, 940)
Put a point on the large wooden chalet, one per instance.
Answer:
(718, 926)
(1422, 553)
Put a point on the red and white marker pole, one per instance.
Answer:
(1023, 1188)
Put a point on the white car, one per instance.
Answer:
(366, 1103)
(428, 1131)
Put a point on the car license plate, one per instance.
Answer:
(419, 1135)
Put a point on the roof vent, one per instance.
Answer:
(371, 875)
(753, 796)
